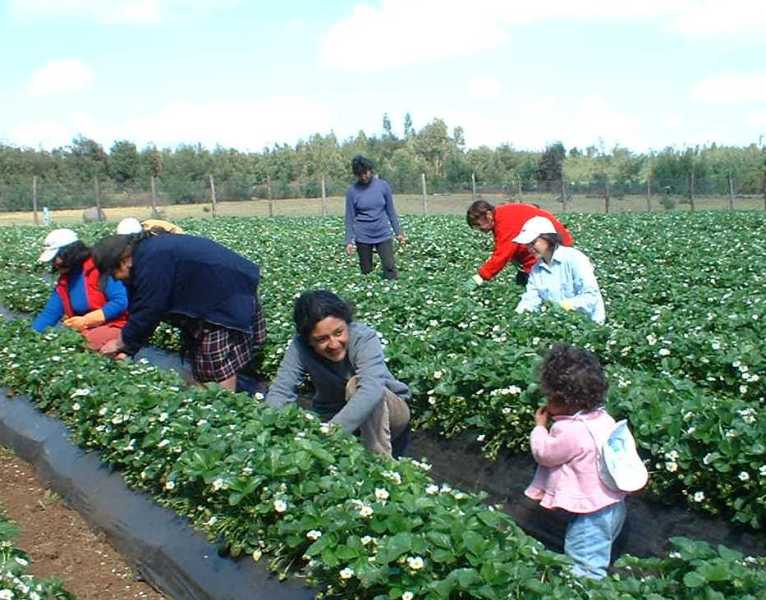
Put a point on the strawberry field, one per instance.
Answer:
(685, 296)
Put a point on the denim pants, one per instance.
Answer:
(385, 250)
(589, 538)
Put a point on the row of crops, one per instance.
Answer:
(15, 581)
(682, 345)
(285, 489)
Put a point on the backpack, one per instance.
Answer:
(620, 468)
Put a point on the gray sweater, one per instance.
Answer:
(364, 357)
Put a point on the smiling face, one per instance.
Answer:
(329, 338)
(540, 248)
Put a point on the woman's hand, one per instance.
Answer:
(76, 323)
(350, 249)
(541, 416)
(402, 238)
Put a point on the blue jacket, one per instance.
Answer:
(116, 302)
(190, 276)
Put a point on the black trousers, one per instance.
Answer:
(385, 250)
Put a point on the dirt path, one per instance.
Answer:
(60, 543)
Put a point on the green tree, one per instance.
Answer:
(124, 162)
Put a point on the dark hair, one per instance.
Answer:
(477, 210)
(554, 239)
(72, 256)
(314, 305)
(109, 251)
(573, 378)
(360, 165)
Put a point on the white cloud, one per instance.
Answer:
(400, 32)
(60, 77)
(715, 17)
(393, 33)
(484, 87)
(531, 124)
(757, 119)
(247, 125)
(732, 88)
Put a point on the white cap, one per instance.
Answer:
(534, 228)
(621, 459)
(129, 225)
(55, 241)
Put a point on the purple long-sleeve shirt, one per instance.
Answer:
(370, 212)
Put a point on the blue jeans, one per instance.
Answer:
(589, 538)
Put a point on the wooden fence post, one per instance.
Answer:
(324, 198)
(731, 191)
(212, 194)
(271, 199)
(691, 190)
(97, 189)
(34, 200)
(563, 195)
(155, 212)
(473, 186)
(649, 194)
(606, 196)
(425, 196)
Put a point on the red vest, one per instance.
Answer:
(93, 294)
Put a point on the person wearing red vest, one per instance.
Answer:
(97, 313)
(505, 222)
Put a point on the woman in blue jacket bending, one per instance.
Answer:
(196, 284)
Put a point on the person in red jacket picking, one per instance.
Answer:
(505, 223)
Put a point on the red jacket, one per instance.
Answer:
(509, 219)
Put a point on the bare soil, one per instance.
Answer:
(59, 542)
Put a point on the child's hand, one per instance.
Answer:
(541, 416)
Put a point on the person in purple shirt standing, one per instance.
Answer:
(370, 217)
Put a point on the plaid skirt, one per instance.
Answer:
(216, 352)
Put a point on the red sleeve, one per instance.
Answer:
(509, 219)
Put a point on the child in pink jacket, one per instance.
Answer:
(567, 473)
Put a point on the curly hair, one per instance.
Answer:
(573, 378)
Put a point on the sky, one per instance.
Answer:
(248, 74)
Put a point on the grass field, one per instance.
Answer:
(405, 204)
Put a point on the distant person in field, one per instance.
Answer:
(505, 223)
(567, 455)
(561, 275)
(345, 362)
(97, 312)
(370, 217)
(130, 225)
(195, 284)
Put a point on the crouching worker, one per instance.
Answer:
(96, 311)
(196, 284)
(345, 363)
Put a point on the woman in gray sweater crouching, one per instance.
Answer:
(344, 361)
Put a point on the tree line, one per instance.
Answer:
(72, 175)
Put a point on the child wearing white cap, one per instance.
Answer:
(562, 275)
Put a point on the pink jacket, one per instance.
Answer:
(567, 472)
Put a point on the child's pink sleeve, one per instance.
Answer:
(554, 448)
